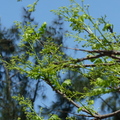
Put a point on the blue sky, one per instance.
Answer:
(11, 10)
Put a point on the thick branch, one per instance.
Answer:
(69, 99)
(106, 115)
(107, 52)
(96, 116)
(102, 53)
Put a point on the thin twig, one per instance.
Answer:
(74, 113)
(90, 65)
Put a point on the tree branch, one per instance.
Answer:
(35, 92)
(74, 113)
(91, 65)
(80, 60)
(69, 99)
(106, 115)
(107, 52)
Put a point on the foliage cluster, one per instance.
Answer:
(100, 45)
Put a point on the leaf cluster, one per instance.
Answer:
(102, 52)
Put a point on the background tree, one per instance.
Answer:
(7, 42)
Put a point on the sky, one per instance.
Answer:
(11, 10)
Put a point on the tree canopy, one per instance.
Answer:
(98, 68)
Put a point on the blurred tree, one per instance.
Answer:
(12, 82)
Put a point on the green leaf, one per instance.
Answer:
(42, 28)
(54, 117)
(32, 6)
(79, 109)
(107, 26)
(66, 82)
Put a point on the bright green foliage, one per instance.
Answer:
(27, 108)
(54, 117)
(29, 111)
(32, 6)
(66, 82)
(100, 45)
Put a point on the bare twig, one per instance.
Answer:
(35, 92)
(14, 75)
(90, 65)
(74, 113)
